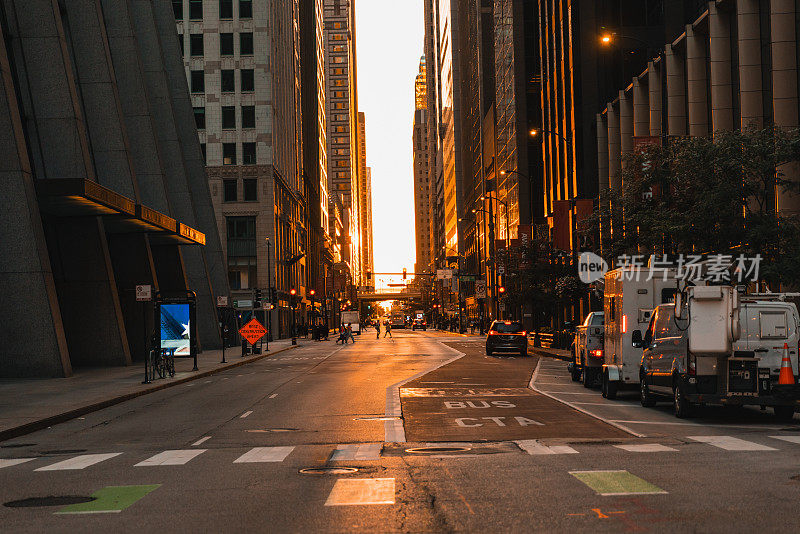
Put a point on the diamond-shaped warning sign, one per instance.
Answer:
(252, 331)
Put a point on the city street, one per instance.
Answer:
(228, 452)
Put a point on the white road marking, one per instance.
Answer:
(354, 491)
(79, 462)
(176, 457)
(358, 451)
(201, 441)
(749, 427)
(264, 454)
(790, 439)
(13, 461)
(534, 447)
(646, 447)
(566, 392)
(273, 395)
(730, 443)
(245, 414)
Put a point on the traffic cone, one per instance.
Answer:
(787, 376)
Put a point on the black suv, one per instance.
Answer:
(508, 336)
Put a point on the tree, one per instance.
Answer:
(707, 195)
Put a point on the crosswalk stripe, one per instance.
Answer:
(358, 451)
(730, 443)
(175, 457)
(532, 446)
(646, 447)
(201, 441)
(790, 439)
(354, 491)
(264, 454)
(13, 461)
(79, 462)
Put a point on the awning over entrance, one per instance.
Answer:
(81, 198)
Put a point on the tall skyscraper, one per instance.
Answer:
(422, 193)
(249, 124)
(365, 200)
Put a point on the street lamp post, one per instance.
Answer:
(269, 293)
(292, 293)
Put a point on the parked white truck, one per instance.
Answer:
(587, 359)
(721, 348)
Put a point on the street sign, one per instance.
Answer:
(467, 277)
(144, 293)
(444, 274)
(501, 269)
(502, 306)
(243, 303)
(222, 301)
(252, 331)
(267, 306)
(480, 289)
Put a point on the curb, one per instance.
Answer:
(33, 426)
(544, 353)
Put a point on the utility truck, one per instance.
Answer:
(587, 360)
(714, 345)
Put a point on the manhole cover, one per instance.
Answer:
(63, 451)
(52, 500)
(436, 450)
(262, 430)
(328, 470)
(15, 445)
(377, 418)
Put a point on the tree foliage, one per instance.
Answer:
(707, 195)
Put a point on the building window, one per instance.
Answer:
(248, 116)
(226, 9)
(228, 117)
(245, 9)
(248, 80)
(337, 25)
(198, 81)
(200, 118)
(249, 153)
(241, 234)
(250, 189)
(203, 151)
(229, 191)
(226, 44)
(229, 153)
(196, 9)
(339, 59)
(196, 44)
(246, 44)
(177, 9)
(227, 81)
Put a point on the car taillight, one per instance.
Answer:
(596, 353)
(492, 332)
(624, 324)
(523, 333)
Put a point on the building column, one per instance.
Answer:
(697, 83)
(676, 93)
(641, 109)
(625, 126)
(719, 28)
(602, 153)
(784, 87)
(614, 155)
(654, 91)
(751, 107)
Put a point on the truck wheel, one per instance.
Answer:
(587, 377)
(683, 408)
(576, 372)
(609, 389)
(645, 397)
(784, 414)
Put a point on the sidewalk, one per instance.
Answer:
(560, 354)
(32, 404)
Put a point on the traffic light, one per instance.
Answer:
(404, 273)
(257, 299)
(312, 292)
(293, 292)
(273, 296)
(369, 274)
(501, 290)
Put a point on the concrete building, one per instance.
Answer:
(103, 185)
(732, 64)
(342, 119)
(365, 199)
(249, 124)
(422, 186)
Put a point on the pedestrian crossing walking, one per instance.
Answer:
(354, 452)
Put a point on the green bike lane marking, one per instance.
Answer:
(112, 499)
(616, 482)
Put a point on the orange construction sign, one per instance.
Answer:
(252, 331)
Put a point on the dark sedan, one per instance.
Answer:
(507, 336)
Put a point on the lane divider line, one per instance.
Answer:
(201, 441)
(78, 462)
(13, 461)
(174, 457)
(532, 385)
(245, 414)
(361, 491)
(264, 454)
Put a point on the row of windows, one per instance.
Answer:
(225, 9)
(230, 193)
(228, 117)
(197, 81)
(229, 154)
(197, 44)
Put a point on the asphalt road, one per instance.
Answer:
(225, 453)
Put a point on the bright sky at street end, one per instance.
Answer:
(389, 41)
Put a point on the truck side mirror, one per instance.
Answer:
(636, 338)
